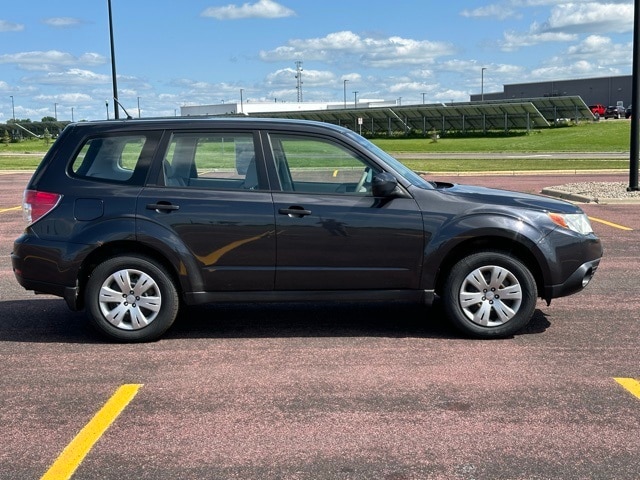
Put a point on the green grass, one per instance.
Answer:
(603, 136)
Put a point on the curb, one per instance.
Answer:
(577, 198)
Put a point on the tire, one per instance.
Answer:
(131, 299)
(490, 295)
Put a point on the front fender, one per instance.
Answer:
(472, 232)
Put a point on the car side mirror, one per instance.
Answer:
(383, 184)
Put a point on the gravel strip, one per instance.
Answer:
(594, 191)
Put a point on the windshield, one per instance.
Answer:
(397, 166)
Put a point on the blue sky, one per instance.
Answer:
(55, 56)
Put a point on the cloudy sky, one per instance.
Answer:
(55, 57)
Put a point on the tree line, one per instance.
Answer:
(47, 126)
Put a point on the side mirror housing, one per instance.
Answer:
(383, 184)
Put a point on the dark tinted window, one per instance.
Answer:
(310, 164)
(112, 158)
(217, 161)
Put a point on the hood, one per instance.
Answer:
(506, 198)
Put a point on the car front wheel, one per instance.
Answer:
(490, 295)
(131, 299)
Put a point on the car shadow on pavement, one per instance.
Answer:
(44, 320)
(395, 320)
(50, 321)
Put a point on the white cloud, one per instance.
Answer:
(591, 17)
(74, 76)
(339, 47)
(515, 40)
(10, 26)
(50, 60)
(62, 22)
(260, 9)
(309, 77)
(501, 12)
(67, 98)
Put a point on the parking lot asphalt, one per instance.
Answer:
(323, 391)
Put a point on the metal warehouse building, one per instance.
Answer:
(604, 90)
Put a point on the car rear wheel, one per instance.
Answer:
(490, 295)
(131, 299)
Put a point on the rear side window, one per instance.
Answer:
(112, 158)
(212, 161)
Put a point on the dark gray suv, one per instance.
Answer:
(132, 219)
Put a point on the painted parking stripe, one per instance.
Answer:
(10, 209)
(630, 384)
(74, 453)
(614, 225)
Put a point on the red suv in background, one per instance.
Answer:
(597, 109)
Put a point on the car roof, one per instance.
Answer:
(199, 122)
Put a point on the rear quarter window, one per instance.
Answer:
(110, 158)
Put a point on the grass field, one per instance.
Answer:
(603, 136)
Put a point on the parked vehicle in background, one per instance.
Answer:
(614, 111)
(133, 219)
(628, 112)
(597, 109)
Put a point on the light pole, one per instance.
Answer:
(138, 107)
(482, 83)
(241, 106)
(355, 99)
(13, 109)
(106, 104)
(71, 114)
(423, 98)
(113, 67)
(55, 111)
(345, 93)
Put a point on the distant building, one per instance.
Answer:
(605, 90)
(247, 108)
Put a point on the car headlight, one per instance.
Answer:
(578, 222)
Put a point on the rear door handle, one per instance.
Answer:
(162, 206)
(294, 212)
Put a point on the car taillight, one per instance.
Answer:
(36, 205)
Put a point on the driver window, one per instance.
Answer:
(312, 165)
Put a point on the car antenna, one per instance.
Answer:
(129, 117)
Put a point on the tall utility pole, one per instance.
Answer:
(482, 83)
(345, 92)
(113, 65)
(299, 79)
(634, 146)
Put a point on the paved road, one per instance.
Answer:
(328, 392)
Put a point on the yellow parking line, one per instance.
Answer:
(74, 453)
(10, 209)
(614, 225)
(630, 384)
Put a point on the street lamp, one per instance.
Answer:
(55, 111)
(345, 93)
(13, 109)
(113, 67)
(355, 99)
(138, 107)
(241, 106)
(71, 114)
(423, 98)
(482, 83)
(106, 104)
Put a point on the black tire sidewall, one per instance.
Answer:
(470, 263)
(160, 324)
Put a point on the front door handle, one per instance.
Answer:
(162, 207)
(294, 212)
